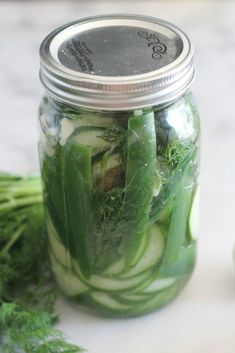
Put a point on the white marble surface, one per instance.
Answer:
(202, 319)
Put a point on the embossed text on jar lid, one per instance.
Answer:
(116, 62)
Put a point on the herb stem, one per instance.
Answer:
(13, 239)
(21, 202)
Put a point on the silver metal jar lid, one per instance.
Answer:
(116, 62)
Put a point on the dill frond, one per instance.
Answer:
(27, 288)
(175, 153)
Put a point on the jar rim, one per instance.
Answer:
(169, 80)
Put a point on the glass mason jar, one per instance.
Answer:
(119, 161)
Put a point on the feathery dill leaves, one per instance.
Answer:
(31, 330)
(27, 288)
(117, 137)
(175, 153)
(107, 207)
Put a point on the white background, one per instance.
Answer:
(202, 319)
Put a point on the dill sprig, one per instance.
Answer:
(107, 207)
(175, 153)
(117, 137)
(27, 288)
(31, 330)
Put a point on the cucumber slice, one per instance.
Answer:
(90, 137)
(132, 299)
(107, 306)
(152, 253)
(159, 299)
(67, 127)
(119, 267)
(58, 249)
(60, 258)
(98, 282)
(194, 216)
(111, 285)
(159, 284)
(114, 284)
(108, 302)
(69, 283)
(116, 268)
(117, 306)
